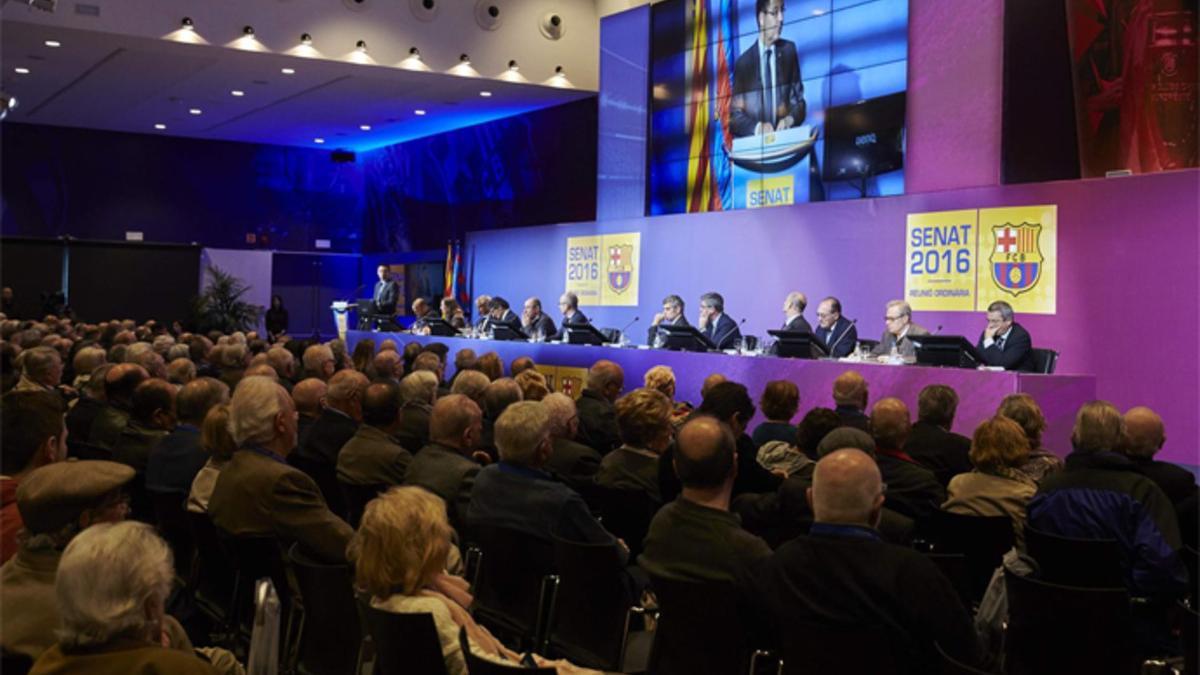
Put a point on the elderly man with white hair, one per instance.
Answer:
(258, 493)
(41, 369)
(844, 575)
(570, 460)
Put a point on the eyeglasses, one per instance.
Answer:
(893, 318)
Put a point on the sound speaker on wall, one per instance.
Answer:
(356, 5)
(552, 26)
(487, 14)
(424, 10)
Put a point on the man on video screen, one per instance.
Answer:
(768, 95)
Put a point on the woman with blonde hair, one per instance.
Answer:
(662, 378)
(216, 439)
(997, 486)
(1024, 410)
(399, 554)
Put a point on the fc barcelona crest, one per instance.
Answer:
(1017, 259)
(620, 267)
(572, 386)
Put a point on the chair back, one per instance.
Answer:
(12, 663)
(356, 497)
(213, 574)
(956, 568)
(480, 666)
(1190, 630)
(255, 557)
(170, 515)
(952, 666)
(1054, 628)
(1089, 563)
(331, 634)
(324, 475)
(983, 540)
(830, 648)
(510, 582)
(84, 450)
(698, 629)
(626, 514)
(589, 617)
(405, 644)
(1044, 360)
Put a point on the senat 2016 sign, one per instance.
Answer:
(603, 269)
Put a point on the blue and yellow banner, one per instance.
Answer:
(603, 270)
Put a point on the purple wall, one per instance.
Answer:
(1128, 254)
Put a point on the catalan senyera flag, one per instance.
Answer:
(460, 281)
(448, 272)
(699, 174)
(724, 37)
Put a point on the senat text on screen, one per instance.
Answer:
(773, 197)
(583, 253)
(953, 235)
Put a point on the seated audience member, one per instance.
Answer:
(86, 361)
(373, 456)
(899, 330)
(464, 360)
(1022, 409)
(418, 391)
(730, 403)
(220, 446)
(472, 384)
(364, 354)
(1144, 437)
(263, 369)
(181, 371)
(496, 398)
(411, 351)
(115, 625)
(318, 362)
(597, 415)
(912, 489)
(1003, 342)
(388, 366)
(812, 430)
(1101, 495)
(715, 324)
(34, 436)
(696, 538)
(400, 552)
(491, 365)
(447, 466)
(119, 384)
(931, 442)
(41, 370)
(178, 457)
(997, 486)
(568, 304)
(662, 378)
(517, 493)
(537, 323)
(835, 331)
(711, 381)
(574, 462)
(779, 403)
(284, 364)
(258, 493)
(644, 422)
(151, 419)
(338, 421)
(309, 398)
(672, 314)
(850, 396)
(234, 360)
(843, 575)
(533, 385)
(89, 405)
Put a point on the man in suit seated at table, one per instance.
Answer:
(835, 331)
(793, 313)
(483, 309)
(671, 315)
(422, 312)
(1005, 343)
(534, 321)
(500, 313)
(568, 304)
(715, 325)
(898, 332)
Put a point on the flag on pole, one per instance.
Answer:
(724, 38)
(699, 172)
(460, 281)
(448, 273)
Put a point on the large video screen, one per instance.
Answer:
(760, 103)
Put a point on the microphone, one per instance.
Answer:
(853, 322)
(937, 330)
(635, 320)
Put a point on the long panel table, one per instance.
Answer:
(979, 391)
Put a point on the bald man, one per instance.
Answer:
(597, 413)
(338, 422)
(309, 397)
(844, 575)
(447, 466)
(1145, 435)
(793, 312)
(373, 456)
(912, 489)
(850, 395)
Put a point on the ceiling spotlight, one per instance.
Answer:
(237, 92)
(485, 94)
(512, 65)
(463, 58)
(195, 111)
(306, 39)
(44, 5)
(53, 43)
(318, 141)
(248, 31)
(7, 102)
(361, 46)
(160, 127)
(21, 71)
(558, 70)
(418, 112)
(413, 51)
(288, 71)
(187, 23)
(365, 127)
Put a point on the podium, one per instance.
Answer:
(341, 317)
(772, 169)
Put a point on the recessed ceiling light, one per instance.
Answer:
(318, 141)
(485, 94)
(195, 111)
(306, 39)
(418, 112)
(53, 43)
(365, 127)
(160, 127)
(248, 31)
(288, 71)
(361, 46)
(238, 92)
(21, 71)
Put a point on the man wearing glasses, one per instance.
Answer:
(1004, 342)
(898, 332)
(834, 331)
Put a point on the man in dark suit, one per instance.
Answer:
(834, 331)
(1144, 437)
(1004, 343)
(793, 312)
(418, 391)
(671, 315)
(447, 467)
(373, 456)
(913, 490)
(500, 313)
(597, 414)
(422, 311)
(387, 292)
(572, 461)
(768, 94)
(257, 492)
(931, 442)
(338, 422)
(178, 457)
(715, 325)
(568, 304)
(851, 395)
(483, 309)
(535, 322)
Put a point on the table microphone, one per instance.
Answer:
(635, 320)
(853, 322)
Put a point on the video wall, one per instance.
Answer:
(758, 103)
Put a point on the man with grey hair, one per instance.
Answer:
(418, 391)
(115, 625)
(1145, 435)
(319, 362)
(178, 457)
(518, 494)
(284, 364)
(447, 466)
(793, 313)
(844, 575)
(258, 493)
(144, 355)
(470, 383)
(715, 324)
(41, 370)
(597, 412)
(339, 420)
(568, 305)
(898, 332)
(497, 396)
(388, 366)
(483, 308)
(671, 315)
(572, 461)
(1005, 343)
(86, 360)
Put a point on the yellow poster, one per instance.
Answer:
(939, 254)
(564, 379)
(1018, 254)
(603, 269)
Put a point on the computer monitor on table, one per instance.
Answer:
(685, 338)
(954, 351)
(797, 344)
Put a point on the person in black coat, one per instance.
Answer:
(535, 322)
(387, 292)
(671, 315)
(1005, 343)
(277, 318)
(793, 311)
(1144, 437)
(931, 442)
(597, 414)
(715, 325)
(834, 331)
(913, 490)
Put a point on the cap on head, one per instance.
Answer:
(54, 495)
